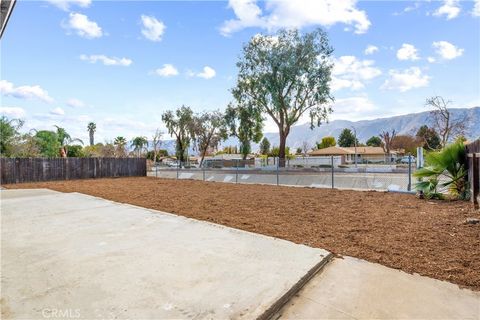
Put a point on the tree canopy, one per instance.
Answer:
(246, 123)
(374, 142)
(347, 138)
(286, 76)
(179, 124)
(429, 137)
(208, 130)
(264, 146)
(326, 142)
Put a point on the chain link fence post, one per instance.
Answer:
(278, 167)
(203, 171)
(236, 171)
(409, 187)
(333, 184)
(179, 163)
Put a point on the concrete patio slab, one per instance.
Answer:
(21, 193)
(84, 257)
(351, 288)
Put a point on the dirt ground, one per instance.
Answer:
(396, 230)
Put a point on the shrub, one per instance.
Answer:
(445, 172)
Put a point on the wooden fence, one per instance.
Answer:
(18, 170)
(473, 165)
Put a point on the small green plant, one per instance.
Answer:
(444, 172)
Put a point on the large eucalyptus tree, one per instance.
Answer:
(286, 76)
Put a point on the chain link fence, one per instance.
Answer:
(320, 172)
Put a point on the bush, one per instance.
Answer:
(445, 172)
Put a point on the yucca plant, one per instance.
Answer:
(445, 172)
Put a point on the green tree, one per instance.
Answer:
(65, 139)
(160, 153)
(180, 124)
(374, 142)
(76, 151)
(48, 143)
(139, 144)
(120, 143)
(246, 123)
(264, 146)
(326, 142)
(91, 128)
(347, 138)
(156, 143)
(8, 135)
(429, 137)
(208, 130)
(286, 76)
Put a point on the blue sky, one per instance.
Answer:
(121, 64)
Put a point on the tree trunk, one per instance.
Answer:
(180, 152)
(281, 151)
(91, 139)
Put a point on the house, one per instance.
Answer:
(363, 154)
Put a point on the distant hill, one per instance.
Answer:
(405, 124)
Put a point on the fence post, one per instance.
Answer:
(203, 170)
(474, 178)
(278, 167)
(179, 163)
(409, 187)
(333, 183)
(236, 171)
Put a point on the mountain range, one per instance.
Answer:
(404, 124)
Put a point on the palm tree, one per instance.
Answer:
(65, 139)
(120, 143)
(91, 128)
(444, 169)
(138, 144)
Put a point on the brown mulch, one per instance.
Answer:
(396, 230)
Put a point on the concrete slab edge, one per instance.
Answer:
(273, 311)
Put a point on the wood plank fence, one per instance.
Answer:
(473, 164)
(18, 170)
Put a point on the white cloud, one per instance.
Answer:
(65, 4)
(295, 14)
(351, 105)
(75, 103)
(350, 72)
(207, 73)
(12, 112)
(153, 29)
(450, 9)
(83, 26)
(371, 49)
(108, 61)
(57, 111)
(446, 50)
(406, 80)
(407, 52)
(24, 92)
(168, 70)
(431, 59)
(476, 9)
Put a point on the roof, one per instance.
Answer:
(331, 151)
(367, 150)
